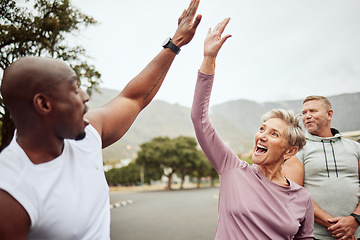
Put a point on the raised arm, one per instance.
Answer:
(211, 143)
(115, 118)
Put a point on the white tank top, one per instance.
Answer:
(66, 198)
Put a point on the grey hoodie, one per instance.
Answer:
(331, 175)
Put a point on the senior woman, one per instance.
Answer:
(256, 201)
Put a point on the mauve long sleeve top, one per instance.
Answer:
(250, 205)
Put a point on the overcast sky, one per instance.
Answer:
(279, 50)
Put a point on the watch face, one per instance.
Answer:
(166, 41)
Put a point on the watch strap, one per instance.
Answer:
(169, 44)
(357, 217)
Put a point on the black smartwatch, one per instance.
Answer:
(169, 44)
(357, 217)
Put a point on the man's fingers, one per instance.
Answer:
(189, 13)
(191, 10)
(182, 16)
(194, 4)
(197, 21)
(333, 220)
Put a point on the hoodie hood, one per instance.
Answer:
(336, 136)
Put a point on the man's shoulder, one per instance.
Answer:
(310, 146)
(90, 130)
(12, 155)
(349, 141)
(351, 145)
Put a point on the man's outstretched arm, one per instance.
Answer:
(115, 118)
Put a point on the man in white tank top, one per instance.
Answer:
(52, 184)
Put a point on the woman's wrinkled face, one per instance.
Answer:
(270, 142)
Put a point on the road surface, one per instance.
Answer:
(165, 215)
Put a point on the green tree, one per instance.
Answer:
(169, 156)
(113, 176)
(127, 176)
(213, 175)
(131, 175)
(150, 155)
(152, 174)
(187, 155)
(155, 154)
(203, 168)
(42, 30)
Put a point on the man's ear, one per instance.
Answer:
(42, 104)
(290, 152)
(330, 114)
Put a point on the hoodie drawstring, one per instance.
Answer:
(326, 162)
(332, 147)
(327, 168)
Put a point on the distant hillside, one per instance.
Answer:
(236, 121)
(246, 114)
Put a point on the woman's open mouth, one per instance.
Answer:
(260, 149)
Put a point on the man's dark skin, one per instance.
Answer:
(47, 106)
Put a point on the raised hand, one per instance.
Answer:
(212, 45)
(186, 25)
(214, 41)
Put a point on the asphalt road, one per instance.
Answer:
(165, 215)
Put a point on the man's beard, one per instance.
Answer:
(80, 136)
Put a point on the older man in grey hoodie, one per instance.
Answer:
(328, 167)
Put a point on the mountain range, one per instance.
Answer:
(236, 121)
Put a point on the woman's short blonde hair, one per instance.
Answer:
(295, 134)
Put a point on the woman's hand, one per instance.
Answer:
(212, 45)
(214, 41)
